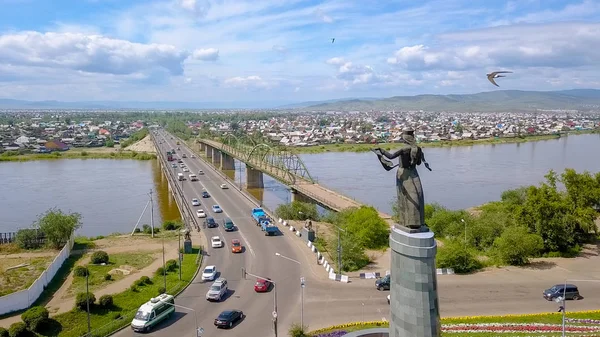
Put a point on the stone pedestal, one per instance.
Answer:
(413, 286)
(187, 246)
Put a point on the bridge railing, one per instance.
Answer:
(190, 221)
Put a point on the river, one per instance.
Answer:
(109, 194)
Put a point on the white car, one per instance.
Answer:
(200, 213)
(216, 242)
(193, 156)
(195, 202)
(200, 172)
(209, 273)
(217, 209)
(185, 169)
(224, 186)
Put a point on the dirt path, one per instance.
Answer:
(144, 145)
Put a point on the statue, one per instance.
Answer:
(410, 201)
(187, 236)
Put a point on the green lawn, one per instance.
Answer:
(125, 304)
(96, 279)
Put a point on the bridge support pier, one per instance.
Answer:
(202, 147)
(413, 285)
(297, 196)
(209, 152)
(227, 162)
(254, 178)
(216, 157)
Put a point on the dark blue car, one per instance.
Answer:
(205, 195)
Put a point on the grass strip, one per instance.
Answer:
(76, 154)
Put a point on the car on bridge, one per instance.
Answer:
(217, 209)
(211, 223)
(228, 318)
(205, 194)
(216, 242)
(195, 202)
(200, 213)
(224, 186)
(262, 285)
(209, 273)
(236, 246)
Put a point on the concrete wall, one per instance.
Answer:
(297, 196)
(24, 299)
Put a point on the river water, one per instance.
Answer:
(111, 194)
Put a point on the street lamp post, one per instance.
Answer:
(302, 285)
(564, 307)
(339, 249)
(465, 224)
(199, 330)
(87, 302)
(274, 314)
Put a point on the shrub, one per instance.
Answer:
(3, 332)
(34, 316)
(297, 331)
(80, 271)
(27, 239)
(171, 225)
(148, 230)
(146, 280)
(171, 265)
(133, 288)
(106, 301)
(99, 257)
(107, 277)
(116, 315)
(456, 256)
(162, 290)
(516, 245)
(18, 329)
(297, 210)
(82, 299)
(161, 271)
(139, 283)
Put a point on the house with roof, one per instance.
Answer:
(55, 145)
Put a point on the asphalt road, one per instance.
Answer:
(258, 258)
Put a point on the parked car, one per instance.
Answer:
(195, 202)
(217, 209)
(200, 213)
(383, 283)
(262, 285)
(216, 242)
(236, 246)
(218, 290)
(571, 293)
(205, 194)
(224, 186)
(209, 273)
(228, 318)
(211, 223)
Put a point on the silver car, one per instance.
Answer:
(218, 290)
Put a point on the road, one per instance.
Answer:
(258, 258)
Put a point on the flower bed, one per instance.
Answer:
(516, 327)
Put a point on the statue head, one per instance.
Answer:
(408, 135)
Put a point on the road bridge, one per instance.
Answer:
(281, 164)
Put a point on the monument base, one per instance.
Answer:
(413, 285)
(187, 246)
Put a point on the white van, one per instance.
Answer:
(193, 177)
(153, 312)
(180, 176)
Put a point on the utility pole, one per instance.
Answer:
(179, 253)
(87, 302)
(151, 214)
(302, 284)
(164, 267)
(339, 250)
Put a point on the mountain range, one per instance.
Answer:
(492, 101)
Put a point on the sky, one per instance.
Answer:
(282, 50)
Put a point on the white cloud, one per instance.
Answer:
(561, 45)
(320, 14)
(89, 53)
(249, 82)
(208, 54)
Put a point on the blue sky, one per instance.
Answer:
(281, 50)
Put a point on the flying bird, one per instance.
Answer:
(495, 74)
(333, 40)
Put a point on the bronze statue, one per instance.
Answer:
(410, 201)
(187, 236)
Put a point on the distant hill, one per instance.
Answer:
(502, 100)
(22, 104)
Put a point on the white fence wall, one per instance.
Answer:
(24, 299)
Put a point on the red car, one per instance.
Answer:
(262, 285)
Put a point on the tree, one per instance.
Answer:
(297, 210)
(28, 238)
(454, 255)
(366, 226)
(353, 254)
(82, 299)
(58, 226)
(516, 245)
(110, 142)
